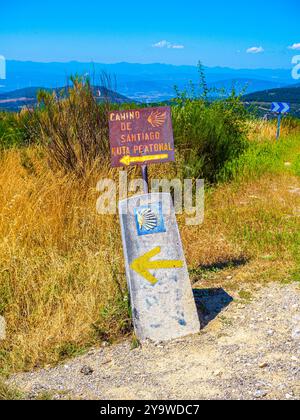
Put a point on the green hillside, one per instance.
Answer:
(288, 94)
(27, 97)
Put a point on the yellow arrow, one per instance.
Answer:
(142, 265)
(127, 160)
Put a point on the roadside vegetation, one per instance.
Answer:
(62, 281)
(8, 393)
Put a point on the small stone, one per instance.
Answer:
(2, 328)
(105, 344)
(105, 362)
(218, 373)
(296, 334)
(263, 365)
(229, 277)
(260, 394)
(86, 370)
(270, 333)
(296, 319)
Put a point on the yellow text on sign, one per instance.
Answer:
(142, 265)
(128, 160)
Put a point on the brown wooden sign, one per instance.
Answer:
(141, 136)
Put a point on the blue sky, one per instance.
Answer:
(177, 32)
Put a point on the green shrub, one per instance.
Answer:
(13, 130)
(208, 133)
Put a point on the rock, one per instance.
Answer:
(218, 373)
(86, 370)
(296, 333)
(105, 362)
(263, 365)
(2, 328)
(296, 319)
(260, 394)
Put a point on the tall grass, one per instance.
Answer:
(264, 154)
(73, 128)
(60, 264)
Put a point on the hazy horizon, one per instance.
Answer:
(288, 67)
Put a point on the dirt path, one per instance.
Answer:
(248, 351)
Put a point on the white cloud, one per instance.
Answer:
(295, 46)
(167, 44)
(161, 44)
(255, 50)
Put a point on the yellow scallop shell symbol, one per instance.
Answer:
(157, 118)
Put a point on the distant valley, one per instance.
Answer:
(149, 83)
(142, 82)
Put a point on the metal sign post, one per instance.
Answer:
(161, 295)
(280, 108)
(278, 126)
(145, 178)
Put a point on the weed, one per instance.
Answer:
(245, 295)
(9, 393)
(135, 342)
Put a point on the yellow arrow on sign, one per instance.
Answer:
(127, 160)
(142, 265)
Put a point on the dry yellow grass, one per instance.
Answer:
(254, 227)
(58, 259)
(260, 130)
(61, 264)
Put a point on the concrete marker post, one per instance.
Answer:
(162, 301)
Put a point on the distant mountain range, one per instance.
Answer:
(142, 82)
(17, 99)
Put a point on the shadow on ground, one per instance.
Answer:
(210, 302)
(222, 265)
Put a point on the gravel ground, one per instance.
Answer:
(248, 350)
